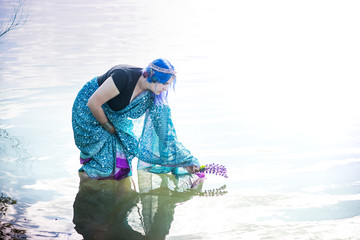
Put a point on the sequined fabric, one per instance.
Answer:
(143, 130)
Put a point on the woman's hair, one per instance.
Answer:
(160, 71)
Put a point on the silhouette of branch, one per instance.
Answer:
(17, 19)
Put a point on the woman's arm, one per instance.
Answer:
(104, 93)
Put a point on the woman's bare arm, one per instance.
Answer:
(104, 93)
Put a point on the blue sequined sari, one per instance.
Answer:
(143, 130)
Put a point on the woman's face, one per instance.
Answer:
(161, 87)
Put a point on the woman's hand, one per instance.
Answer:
(192, 169)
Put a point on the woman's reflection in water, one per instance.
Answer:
(109, 209)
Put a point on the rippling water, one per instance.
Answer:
(267, 88)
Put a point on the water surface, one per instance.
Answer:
(268, 89)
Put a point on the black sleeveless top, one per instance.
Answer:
(125, 78)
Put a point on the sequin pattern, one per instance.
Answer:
(156, 146)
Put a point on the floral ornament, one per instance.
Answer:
(145, 74)
(150, 75)
(209, 169)
(214, 169)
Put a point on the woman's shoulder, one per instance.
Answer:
(117, 68)
(119, 75)
(122, 75)
(123, 70)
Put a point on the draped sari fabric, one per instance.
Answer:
(144, 130)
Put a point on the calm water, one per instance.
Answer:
(267, 88)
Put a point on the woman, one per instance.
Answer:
(124, 114)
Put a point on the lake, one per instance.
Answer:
(267, 88)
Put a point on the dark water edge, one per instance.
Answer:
(7, 228)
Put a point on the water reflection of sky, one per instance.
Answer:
(267, 88)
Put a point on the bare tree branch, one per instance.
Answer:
(17, 19)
